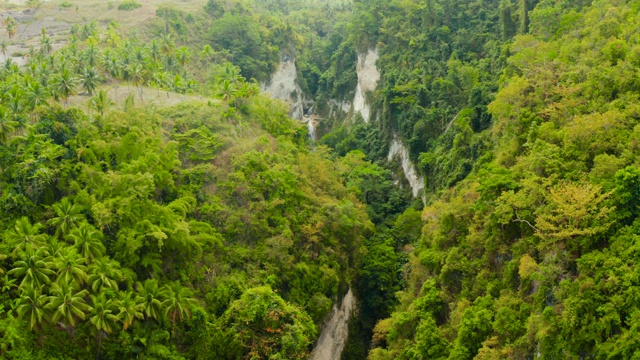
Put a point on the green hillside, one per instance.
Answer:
(156, 204)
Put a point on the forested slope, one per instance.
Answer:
(131, 229)
(213, 228)
(533, 254)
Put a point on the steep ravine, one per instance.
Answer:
(336, 332)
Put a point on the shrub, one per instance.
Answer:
(129, 5)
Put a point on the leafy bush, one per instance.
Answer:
(129, 5)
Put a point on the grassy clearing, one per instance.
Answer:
(105, 11)
(118, 93)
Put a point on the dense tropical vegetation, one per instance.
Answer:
(211, 227)
(162, 231)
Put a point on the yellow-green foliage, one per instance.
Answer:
(532, 253)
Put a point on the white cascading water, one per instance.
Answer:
(312, 130)
(336, 331)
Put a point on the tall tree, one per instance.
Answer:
(104, 274)
(68, 304)
(24, 236)
(11, 26)
(37, 95)
(184, 55)
(33, 269)
(71, 266)
(64, 85)
(68, 216)
(178, 303)
(103, 313)
(3, 47)
(129, 309)
(151, 297)
(7, 125)
(101, 103)
(88, 241)
(136, 74)
(31, 305)
(89, 80)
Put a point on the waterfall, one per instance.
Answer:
(312, 130)
(336, 331)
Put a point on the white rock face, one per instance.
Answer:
(283, 86)
(336, 331)
(398, 151)
(368, 77)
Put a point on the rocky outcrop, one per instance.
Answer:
(399, 152)
(284, 86)
(368, 77)
(336, 332)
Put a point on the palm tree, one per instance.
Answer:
(33, 269)
(171, 64)
(44, 72)
(167, 44)
(249, 89)
(104, 273)
(227, 90)
(68, 216)
(112, 66)
(15, 100)
(178, 302)
(45, 44)
(89, 80)
(91, 55)
(51, 250)
(11, 26)
(129, 309)
(139, 55)
(24, 236)
(31, 306)
(64, 85)
(155, 50)
(71, 266)
(67, 303)
(183, 54)
(3, 47)
(151, 296)
(36, 95)
(178, 84)
(7, 126)
(158, 80)
(102, 314)
(2, 258)
(101, 102)
(231, 73)
(88, 241)
(31, 54)
(206, 53)
(136, 73)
